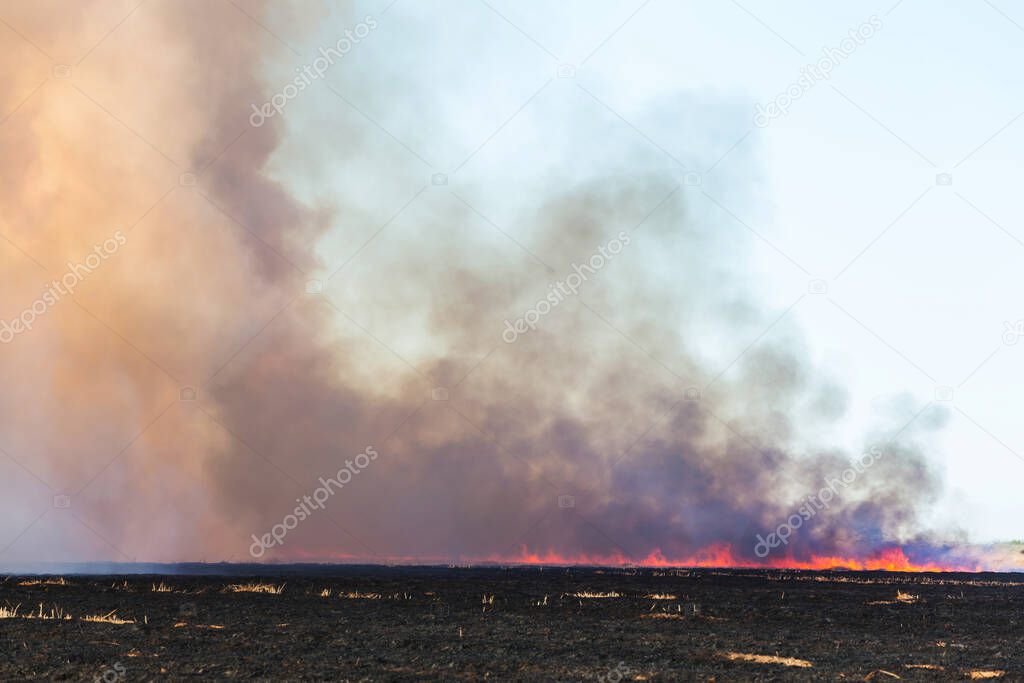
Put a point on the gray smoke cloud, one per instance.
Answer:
(631, 396)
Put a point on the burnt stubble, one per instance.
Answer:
(419, 623)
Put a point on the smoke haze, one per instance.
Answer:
(322, 290)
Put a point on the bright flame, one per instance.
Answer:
(894, 558)
(721, 556)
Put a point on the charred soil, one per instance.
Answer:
(409, 623)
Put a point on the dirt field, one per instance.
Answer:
(372, 623)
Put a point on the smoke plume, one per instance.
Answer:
(289, 294)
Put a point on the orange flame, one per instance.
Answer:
(721, 556)
(893, 558)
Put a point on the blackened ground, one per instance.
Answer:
(377, 623)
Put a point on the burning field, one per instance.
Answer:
(377, 624)
(465, 284)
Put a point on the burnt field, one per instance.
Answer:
(374, 623)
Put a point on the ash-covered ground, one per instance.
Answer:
(404, 623)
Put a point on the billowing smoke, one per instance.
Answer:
(554, 367)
